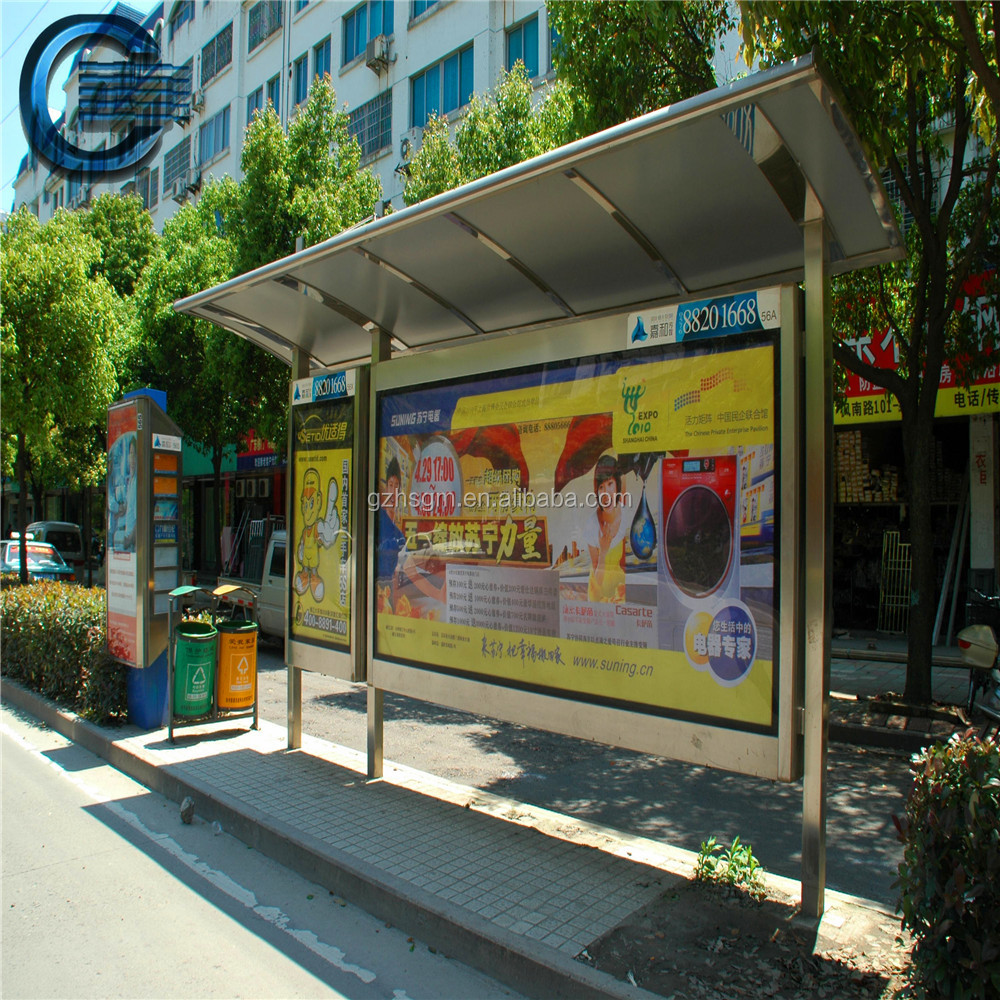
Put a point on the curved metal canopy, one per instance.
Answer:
(704, 196)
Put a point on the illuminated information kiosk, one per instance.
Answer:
(143, 548)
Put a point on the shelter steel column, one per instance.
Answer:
(817, 563)
(300, 369)
(381, 351)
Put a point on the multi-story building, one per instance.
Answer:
(391, 63)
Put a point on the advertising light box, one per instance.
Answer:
(600, 530)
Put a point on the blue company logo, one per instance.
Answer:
(142, 89)
(639, 332)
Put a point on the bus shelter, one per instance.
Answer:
(561, 438)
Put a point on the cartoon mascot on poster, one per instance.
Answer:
(315, 533)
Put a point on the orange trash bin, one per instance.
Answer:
(236, 674)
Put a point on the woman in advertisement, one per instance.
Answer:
(604, 535)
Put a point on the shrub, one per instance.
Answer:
(949, 878)
(53, 639)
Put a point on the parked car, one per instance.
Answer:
(64, 535)
(269, 588)
(44, 561)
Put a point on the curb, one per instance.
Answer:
(881, 738)
(520, 963)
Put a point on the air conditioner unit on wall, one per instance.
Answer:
(197, 100)
(178, 189)
(251, 488)
(192, 179)
(240, 487)
(264, 487)
(377, 53)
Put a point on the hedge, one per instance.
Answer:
(949, 877)
(53, 639)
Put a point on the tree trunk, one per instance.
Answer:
(217, 482)
(918, 447)
(22, 507)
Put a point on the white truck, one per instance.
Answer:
(269, 589)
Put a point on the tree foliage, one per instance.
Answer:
(498, 130)
(912, 95)
(627, 57)
(60, 315)
(124, 231)
(307, 182)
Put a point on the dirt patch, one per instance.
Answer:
(707, 942)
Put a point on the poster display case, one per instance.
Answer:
(592, 542)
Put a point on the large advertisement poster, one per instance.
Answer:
(123, 480)
(322, 532)
(602, 529)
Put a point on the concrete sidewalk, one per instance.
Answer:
(511, 889)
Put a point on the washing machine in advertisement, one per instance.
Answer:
(700, 612)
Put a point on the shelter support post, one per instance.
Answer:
(300, 369)
(818, 518)
(381, 351)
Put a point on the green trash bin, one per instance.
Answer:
(194, 668)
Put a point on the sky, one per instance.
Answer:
(21, 22)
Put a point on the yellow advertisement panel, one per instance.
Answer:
(320, 542)
(601, 529)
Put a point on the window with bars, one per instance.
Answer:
(365, 22)
(371, 124)
(262, 22)
(217, 55)
(176, 161)
(441, 88)
(213, 136)
(522, 43)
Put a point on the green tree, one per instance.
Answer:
(910, 90)
(124, 230)
(217, 384)
(497, 131)
(627, 57)
(59, 318)
(307, 182)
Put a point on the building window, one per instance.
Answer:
(419, 6)
(264, 20)
(274, 91)
(146, 184)
(553, 46)
(522, 43)
(183, 12)
(176, 162)
(371, 124)
(365, 22)
(255, 102)
(213, 136)
(321, 58)
(300, 80)
(300, 5)
(217, 55)
(441, 88)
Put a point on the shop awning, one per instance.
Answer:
(701, 197)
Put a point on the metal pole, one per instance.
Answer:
(817, 568)
(381, 351)
(300, 369)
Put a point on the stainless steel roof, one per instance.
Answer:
(703, 196)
